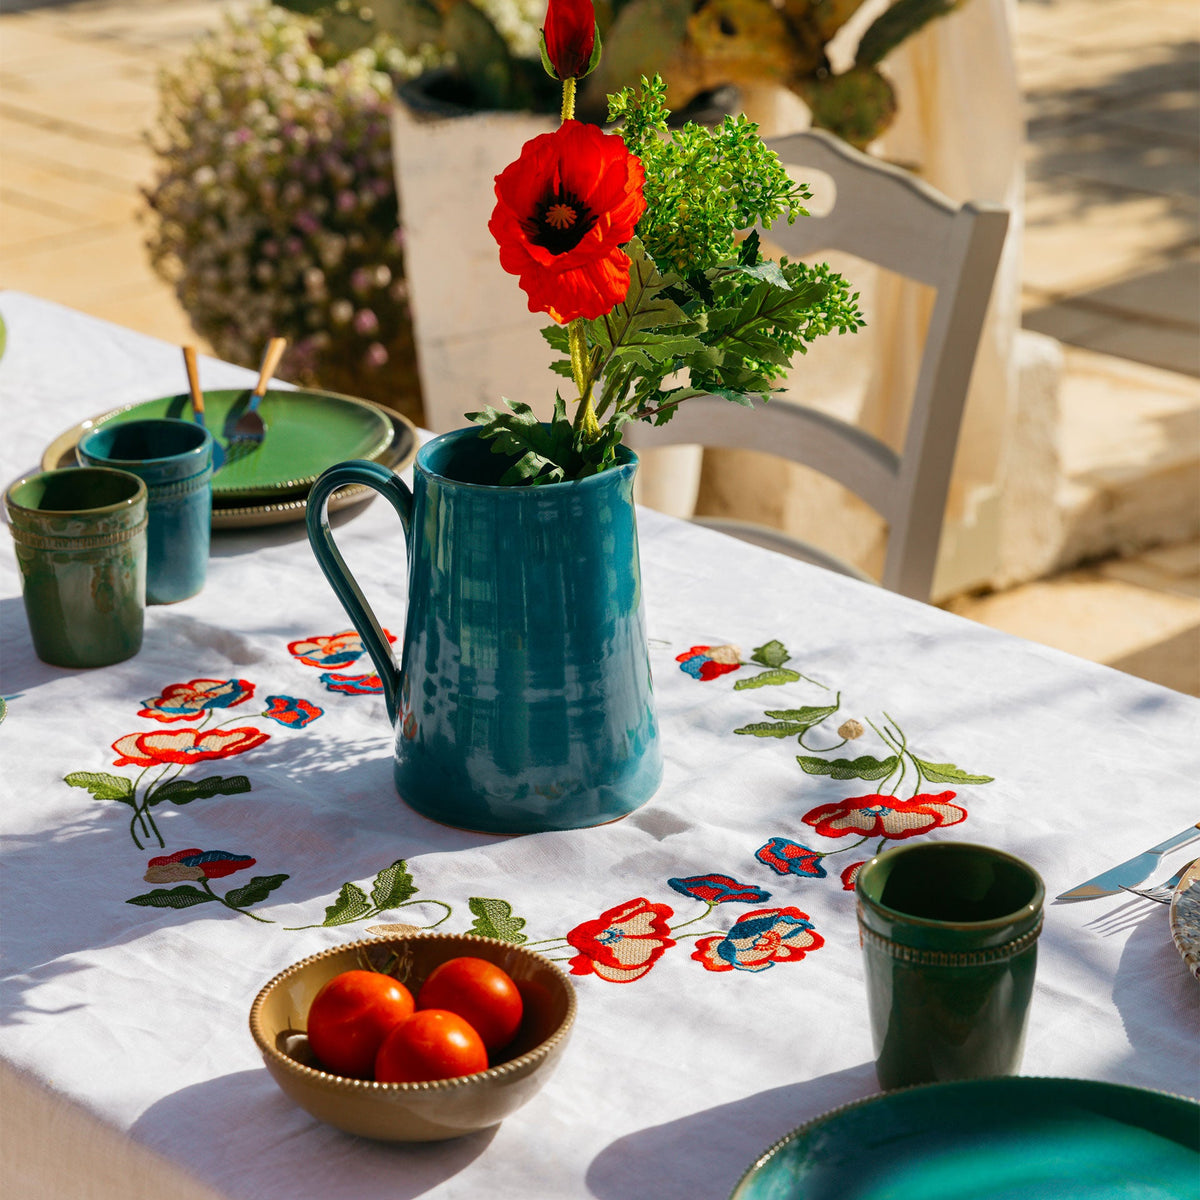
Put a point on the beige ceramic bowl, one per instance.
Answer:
(414, 1112)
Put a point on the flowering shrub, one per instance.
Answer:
(274, 207)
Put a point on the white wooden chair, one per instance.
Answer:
(885, 216)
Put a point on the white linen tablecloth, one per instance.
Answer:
(129, 1021)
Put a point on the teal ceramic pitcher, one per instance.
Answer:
(523, 699)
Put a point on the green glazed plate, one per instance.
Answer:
(307, 431)
(990, 1139)
(237, 511)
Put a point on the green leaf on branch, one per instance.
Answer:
(393, 885)
(644, 307)
(351, 905)
(864, 767)
(768, 679)
(947, 773)
(536, 450)
(494, 919)
(184, 791)
(183, 896)
(257, 890)
(771, 654)
(101, 785)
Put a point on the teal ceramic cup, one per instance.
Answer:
(949, 935)
(174, 460)
(523, 699)
(80, 541)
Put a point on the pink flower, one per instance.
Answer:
(185, 745)
(885, 816)
(623, 943)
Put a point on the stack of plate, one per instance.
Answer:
(268, 484)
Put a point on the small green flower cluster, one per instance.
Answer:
(274, 207)
(704, 185)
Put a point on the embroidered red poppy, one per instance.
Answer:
(563, 211)
(570, 33)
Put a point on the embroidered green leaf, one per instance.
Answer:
(947, 773)
(771, 654)
(393, 885)
(101, 785)
(809, 715)
(351, 905)
(259, 888)
(863, 767)
(494, 919)
(184, 791)
(789, 722)
(775, 729)
(767, 679)
(183, 896)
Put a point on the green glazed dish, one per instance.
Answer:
(307, 431)
(990, 1139)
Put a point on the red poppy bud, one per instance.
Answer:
(570, 37)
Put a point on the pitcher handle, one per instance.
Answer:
(393, 489)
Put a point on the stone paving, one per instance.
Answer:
(1111, 268)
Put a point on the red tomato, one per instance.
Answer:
(480, 992)
(431, 1044)
(351, 1015)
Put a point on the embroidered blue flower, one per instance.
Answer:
(353, 685)
(759, 940)
(290, 711)
(786, 857)
(718, 889)
(189, 701)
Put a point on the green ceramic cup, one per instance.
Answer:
(80, 540)
(949, 935)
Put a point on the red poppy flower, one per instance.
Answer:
(885, 816)
(623, 943)
(570, 33)
(564, 209)
(185, 745)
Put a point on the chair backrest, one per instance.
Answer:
(885, 216)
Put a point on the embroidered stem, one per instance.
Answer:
(234, 907)
(843, 849)
(683, 925)
(407, 903)
(900, 756)
(818, 749)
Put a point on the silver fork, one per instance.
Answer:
(249, 430)
(1161, 892)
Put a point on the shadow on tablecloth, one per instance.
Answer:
(240, 1135)
(705, 1154)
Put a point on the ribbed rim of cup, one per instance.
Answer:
(16, 509)
(1024, 912)
(180, 459)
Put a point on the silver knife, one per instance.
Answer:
(1130, 872)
